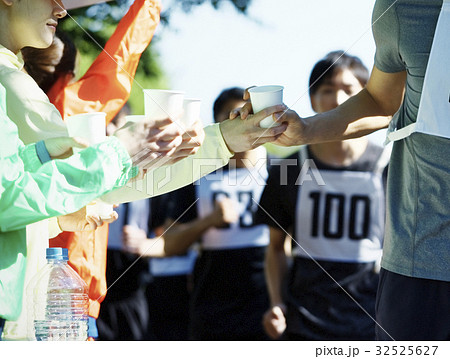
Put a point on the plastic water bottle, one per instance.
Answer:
(57, 301)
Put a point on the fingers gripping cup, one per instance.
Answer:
(262, 97)
(91, 127)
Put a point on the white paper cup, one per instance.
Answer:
(191, 111)
(99, 208)
(161, 104)
(92, 127)
(262, 97)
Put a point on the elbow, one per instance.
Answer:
(170, 249)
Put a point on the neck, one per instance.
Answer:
(341, 153)
(5, 36)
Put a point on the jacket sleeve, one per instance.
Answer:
(106, 86)
(57, 187)
(213, 154)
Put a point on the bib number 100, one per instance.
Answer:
(334, 209)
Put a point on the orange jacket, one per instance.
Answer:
(105, 87)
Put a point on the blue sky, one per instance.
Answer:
(277, 43)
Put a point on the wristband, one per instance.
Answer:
(42, 152)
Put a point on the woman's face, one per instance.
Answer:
(33, 22)
(335, 90)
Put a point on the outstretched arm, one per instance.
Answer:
(220, 141)
(360, 115)
(56, 187)
(368, 111)
(31, 191)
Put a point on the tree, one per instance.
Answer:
(91, 27)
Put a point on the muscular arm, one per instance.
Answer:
(360, 115)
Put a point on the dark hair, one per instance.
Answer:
(336, 61)
(45, 66)
(230, 94)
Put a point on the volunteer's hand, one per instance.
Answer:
(242, 135)
(295, 133)
(79, 221)
(149, 142)
(193, 138)
(61, 147)
(245, 110)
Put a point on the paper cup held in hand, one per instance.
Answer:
(90, 126)
(161, 104)
(191, 111)
(262, 97)
(99, 208)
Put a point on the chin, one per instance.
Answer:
(45, 41)
(41, 43)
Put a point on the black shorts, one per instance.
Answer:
(124, 319)
(410, 308)
(2, 324)
(168, 307)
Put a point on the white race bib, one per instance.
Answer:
(342, 220)
(244, 186)
(433, 117)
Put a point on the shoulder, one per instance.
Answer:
(19, 84)
(386, 34)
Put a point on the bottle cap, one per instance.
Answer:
(57, 253)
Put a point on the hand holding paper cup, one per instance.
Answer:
(262, 97)
(91, 127)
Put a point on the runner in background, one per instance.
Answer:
(229, 290)
(330, 197)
